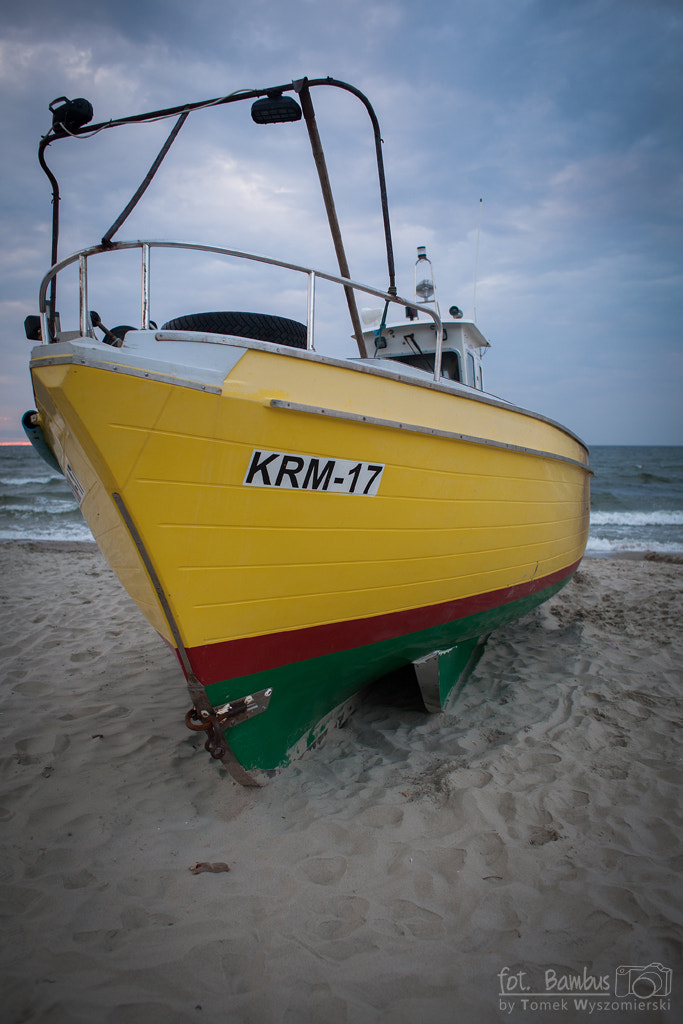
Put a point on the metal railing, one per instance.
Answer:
(86, 329)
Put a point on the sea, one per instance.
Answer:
(636, 500)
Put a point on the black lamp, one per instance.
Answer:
(71, 116)
(275, 108)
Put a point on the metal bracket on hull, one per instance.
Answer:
(217, 746)
(226, 717)
(236, 711)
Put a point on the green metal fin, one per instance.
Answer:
(439, 673)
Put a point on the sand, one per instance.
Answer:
(392, 876)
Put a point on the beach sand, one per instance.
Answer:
(389, 876)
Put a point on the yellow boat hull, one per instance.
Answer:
(311, 524)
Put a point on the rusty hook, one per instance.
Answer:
(197, 722)
(204, 721)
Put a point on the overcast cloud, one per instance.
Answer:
(563, 115)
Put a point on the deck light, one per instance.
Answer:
(275, 108)
(71, 116)
(425, 290)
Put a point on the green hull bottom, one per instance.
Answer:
(308, 695)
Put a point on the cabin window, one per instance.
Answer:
(423, 361)
(470, 370)
(450, 363)
(450, 366)
(480, 379)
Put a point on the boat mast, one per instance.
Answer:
(328, 199)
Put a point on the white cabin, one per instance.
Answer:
(414, 341)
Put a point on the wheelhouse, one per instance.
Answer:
(413, 342)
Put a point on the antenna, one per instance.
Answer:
(476, 267)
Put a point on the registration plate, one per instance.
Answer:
(289, 471)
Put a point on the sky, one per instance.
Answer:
(533, 146)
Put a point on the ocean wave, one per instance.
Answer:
(26, 481)
(652, 478)
(65, 531)
(42, 507)
(661, 517)
(605, 546)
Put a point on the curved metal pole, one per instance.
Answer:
(380, 169)
(245, 94)
(44, 143)
(268, 260)
(142, 188)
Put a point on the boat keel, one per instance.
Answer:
(439, 673)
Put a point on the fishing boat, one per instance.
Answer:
(295, 524)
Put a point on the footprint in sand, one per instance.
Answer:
(492, 851)
(324, 870)
(78, 879)
(85, 655)
(446, 863)
(544, 834)
(420, 922)
(380, 817)
(345, 916)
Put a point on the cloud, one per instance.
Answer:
(562, 115)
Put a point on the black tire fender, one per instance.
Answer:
(119, 332)
(258, 326)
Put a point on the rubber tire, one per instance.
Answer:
(258, 326)
(120, 332)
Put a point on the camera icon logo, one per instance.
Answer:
(643, 982)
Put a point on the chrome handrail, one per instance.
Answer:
(81, 257)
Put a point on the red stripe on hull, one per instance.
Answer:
(230, 659)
